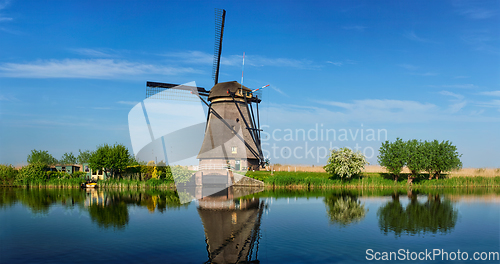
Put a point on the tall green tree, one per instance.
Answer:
(392, 156)
(443, 157)
(68, 158)
(417, 159)
(41, 156)
(345, 163)
(83, 156)
(113, 158)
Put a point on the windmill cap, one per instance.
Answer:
(220, 89)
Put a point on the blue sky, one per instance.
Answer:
(70, 71)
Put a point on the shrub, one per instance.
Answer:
(345, 163)
(181, 174)
(7, 174)
(33, 173)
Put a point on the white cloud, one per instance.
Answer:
(92, 69)
(199, 57)
(460, 86)
(426, 73)
(457, 100)
(3, 5)
(491, 93)
(278, 90)
(376, 110)
(127, 102)
(456, 96)
(482, 41)
(336, 63)
(101, 53)
(478, 13)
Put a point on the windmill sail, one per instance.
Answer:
(220, 16)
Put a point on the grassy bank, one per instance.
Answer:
(365, 180)
(298, 180)
(110, 183)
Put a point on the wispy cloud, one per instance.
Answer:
(459, 86)
(456, 96)
(384, 110)
(355, 27)
(278, 90)
(457, 100)
(491, 93)
(461, 77)
(92, 69)
(4, 97)
(3, 5)
(478, 13)
(199, 57)
(425, 73)
(100, 53)
(380, 111)
(127, 102)
(482, 41)
(492, 104)
(412, 36)
(336, 63)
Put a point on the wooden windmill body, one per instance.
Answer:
(236, 143)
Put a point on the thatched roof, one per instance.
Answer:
(220, 89)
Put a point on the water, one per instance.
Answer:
(79, 226)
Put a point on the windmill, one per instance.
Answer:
(232, 130)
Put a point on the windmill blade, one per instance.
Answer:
(154, 91)
(220, 16)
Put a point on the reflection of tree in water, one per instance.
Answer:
(433, 216)
(112, 215)
(111, 208)
(343, 209)
(40, 200)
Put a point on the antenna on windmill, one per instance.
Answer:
(242, 70)
(220, 17)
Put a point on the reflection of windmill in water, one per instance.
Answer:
(232, 129)
(232, 227)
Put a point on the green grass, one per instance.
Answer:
(365, 180)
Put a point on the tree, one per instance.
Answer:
(41, 156)
(345, 163)
(84, 156)
(344, 209)
(68, 158)
(392, 156)
(433, 216)
(442, 157)
(113, 158)
(417, 159)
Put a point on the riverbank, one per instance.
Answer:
(297, 180)
(285, 179)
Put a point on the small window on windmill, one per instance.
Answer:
(234, 150)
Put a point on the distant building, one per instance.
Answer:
(72, 168)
